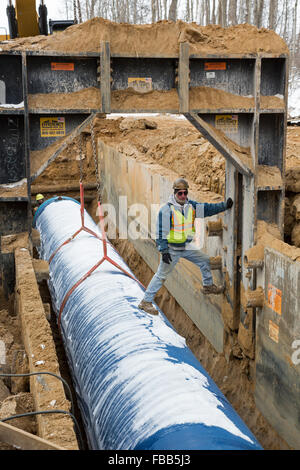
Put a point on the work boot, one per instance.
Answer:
(213, 289)
(148, 307)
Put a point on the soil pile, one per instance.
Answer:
(162, 38)
(175, 145)
(66, 167)
(292, 185)
(269, 235)
(163, 100)
(82, 99)
(268, 176)
(212, 98)
(130, 99)
(271, 102)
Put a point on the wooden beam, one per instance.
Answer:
(24, 440)
(30, 310)
(59, 188)
(220, 143)
(105, 76)
(183, 77)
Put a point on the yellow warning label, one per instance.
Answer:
(53, 127)
(140, 84)
(273, 331)
(227, 122)
(274, 298)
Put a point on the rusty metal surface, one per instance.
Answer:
(277, 388)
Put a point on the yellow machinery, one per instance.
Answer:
(27, 18)
(23, 19)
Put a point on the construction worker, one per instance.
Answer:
(175, 233)
(39, 201)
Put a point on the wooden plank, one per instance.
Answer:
(24, 440)
(183, 77)
(42, 188)
(105, 76)
(218, 142)
(31, 313)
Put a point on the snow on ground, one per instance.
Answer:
(294, 96)
(294, 103)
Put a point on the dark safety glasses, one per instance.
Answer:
(182, 193)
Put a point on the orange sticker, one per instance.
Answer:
(273, 331)
(214, 65)
(62, 66)
(274, 298)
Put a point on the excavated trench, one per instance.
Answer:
(15, 395)
(176, 146)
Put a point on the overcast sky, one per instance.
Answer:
(55, 11)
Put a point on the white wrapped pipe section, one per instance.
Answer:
(138, 385)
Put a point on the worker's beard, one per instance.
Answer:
(180, 201)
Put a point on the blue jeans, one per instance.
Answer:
(164, 269)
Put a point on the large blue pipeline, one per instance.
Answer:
(139, 387)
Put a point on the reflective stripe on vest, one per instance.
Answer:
(181, 227)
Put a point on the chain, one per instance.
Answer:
(96, 161)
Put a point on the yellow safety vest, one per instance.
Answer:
(181, 227)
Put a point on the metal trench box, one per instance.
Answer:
(277, 389)
(250, 137)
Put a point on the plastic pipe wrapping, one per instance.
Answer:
(139, 386)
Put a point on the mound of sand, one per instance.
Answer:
(162, 38)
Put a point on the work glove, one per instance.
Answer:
(166, 257)
(229, 203)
